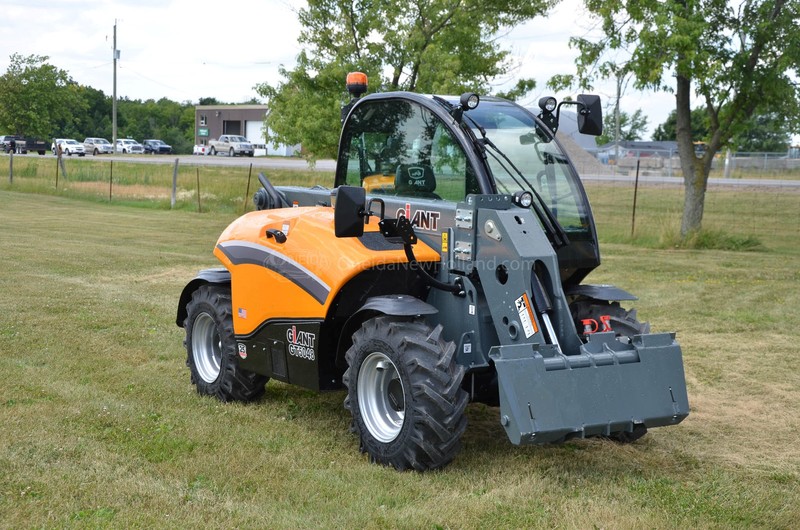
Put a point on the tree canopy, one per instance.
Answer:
(738, 58)
(763, 132)
(35, 96)
(436, 46)
(631, 127)
(667, 131)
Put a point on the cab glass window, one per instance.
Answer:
(399, 148)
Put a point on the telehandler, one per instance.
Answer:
(444, 267)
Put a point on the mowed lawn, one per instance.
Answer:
(100, 427)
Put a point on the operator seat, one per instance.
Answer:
(415, 180)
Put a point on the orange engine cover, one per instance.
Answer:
(299, 278)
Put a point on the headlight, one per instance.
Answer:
(548, 104)
(523, 199)
(469, 100)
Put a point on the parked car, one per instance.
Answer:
(5, 142)
(156, 147)
(68, 147)
(98, 146)
(129, 145)
(231, 145)
(199, 150)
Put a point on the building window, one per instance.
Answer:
(203, 119)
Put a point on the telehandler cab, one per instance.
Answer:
(444, 267)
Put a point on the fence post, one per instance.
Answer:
(727, 173)
(110, 181)
(63, 167)
(174, 184)
(635, 194)
(199, 209)
(11, 167)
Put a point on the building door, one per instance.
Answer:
(231, 127)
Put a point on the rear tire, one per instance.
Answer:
(212, 152)
(212, 349)
(404, 393)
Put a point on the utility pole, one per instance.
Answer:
(616, 124)
(114, 100)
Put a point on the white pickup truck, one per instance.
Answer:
(231, 145)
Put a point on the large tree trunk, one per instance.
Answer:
(695, 170)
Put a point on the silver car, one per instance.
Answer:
(129, 146)
(98, 146)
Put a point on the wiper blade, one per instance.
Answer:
(555, 232)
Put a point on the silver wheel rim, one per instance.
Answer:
(381, 397)
(206, 347)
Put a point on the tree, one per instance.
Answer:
(35, 96)
(767, 133)
(667, 131)
(631, 127)
(763, 132)
(437, 46)
(739, 59)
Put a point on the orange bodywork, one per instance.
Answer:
(297, 279)
(378, 183)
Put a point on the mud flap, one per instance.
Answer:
(609, 387)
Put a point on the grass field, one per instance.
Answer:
(100, 427)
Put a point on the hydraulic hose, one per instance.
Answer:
(455, 288)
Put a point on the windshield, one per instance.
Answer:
(540, 164)
(238, 139)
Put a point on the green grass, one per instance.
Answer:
(100, 427)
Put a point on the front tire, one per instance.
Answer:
(625, 325)
(404, 393)
(231, 153)
(211, 348)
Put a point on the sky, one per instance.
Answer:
(184, 50)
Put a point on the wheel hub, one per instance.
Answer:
(381, 397)
(206, 348)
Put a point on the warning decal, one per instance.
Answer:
(523, 305)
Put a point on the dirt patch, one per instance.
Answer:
(135, 191)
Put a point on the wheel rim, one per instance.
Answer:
(206, 347)
(381, 397)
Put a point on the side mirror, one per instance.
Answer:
(590, 115)
(348, 214)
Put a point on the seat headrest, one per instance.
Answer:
(414, 178)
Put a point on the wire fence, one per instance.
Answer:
(757, 207)
(666, 163)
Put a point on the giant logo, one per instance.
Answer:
(422, 219)
(301, 343)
